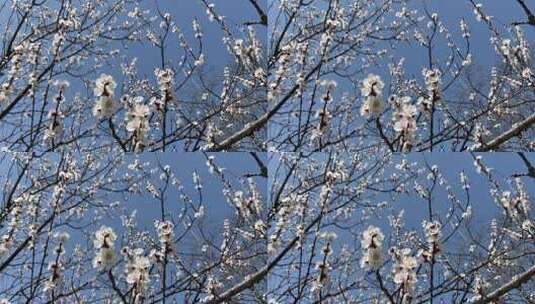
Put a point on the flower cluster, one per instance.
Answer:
(372, 246)
(516, 206)
(6, 241)
(104, 90)
(518, 55)
(137, 272)
(103, 242)
(433, 234)
(404, 119)
(53, 281)
(404, 271)
(55, 130)
(166, 236)
(56, 266)
(371, 89)
(249, 205)
(17, 62)
(432, 81)
(137, 122)
(166, 79)
(324, 266)
(323, 114)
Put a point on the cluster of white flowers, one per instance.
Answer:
(404, 119)
(56, 266)
(55, 130)
(323, 114)
(137, 272)
(212, 15)
(166, 79)
(197, 29)
(137, 122)
(104, 90)
(432, 81)
(404, 271)
(323, 267)
(166, 236)
(54, 280)
(19, 51)
(16, 60)
(247, 206)
(372, 246)
(464, 181)
(103, 242)
(433, 233)
(518, 57)
(516, 206)
(249, 52)
(480, 288)
(5, 91)
(371, 89)
(283, 65)
(464, 29)
(289, 206)
(62, 238)
(6, 241)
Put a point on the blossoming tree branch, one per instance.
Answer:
(404, 75)
(71, 76)
(401, 229)
(104, 229)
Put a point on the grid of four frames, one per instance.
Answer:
(267, 151)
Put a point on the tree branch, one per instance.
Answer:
(514, 131)
(529, 14)
(514, 283)
(259, 275)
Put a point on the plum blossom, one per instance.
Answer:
(55, 278)
(404, 118)
(515, 206)
(137, 118)
(432, 81)
(371, 89)
(5, 92)
(404, 271)
(104, 90)
(137, 272)
(103, 242)
(432, 231)
(166, 234)
(372, 246)
(433, 234)
(55, 130)
(165, 82)
(137, 123)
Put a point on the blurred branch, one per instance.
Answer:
(513, 284)
(516, 130)
(531, 169)
(263, 169)
(529, 14)
(263, 17)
